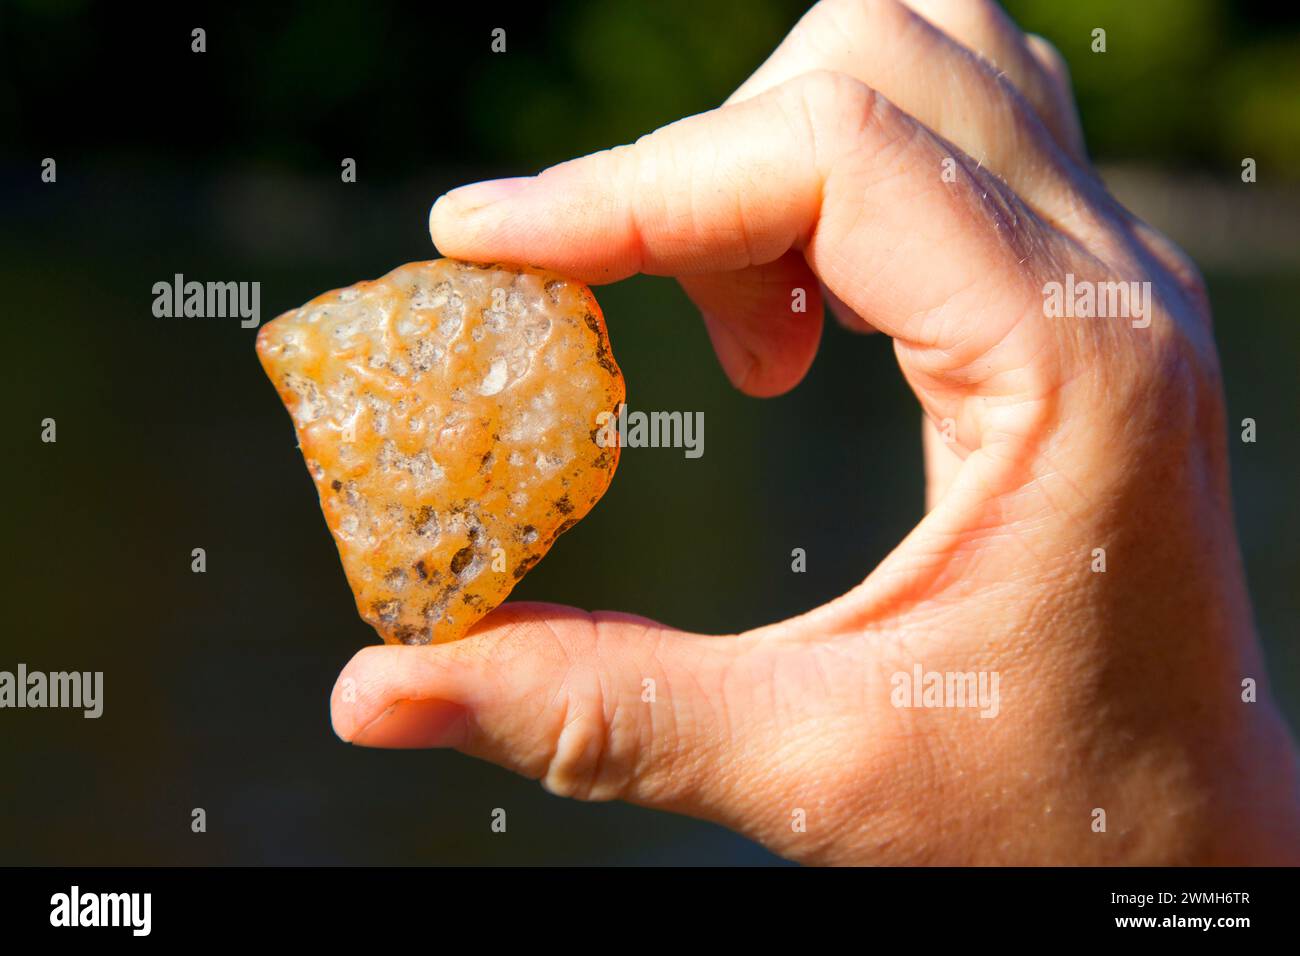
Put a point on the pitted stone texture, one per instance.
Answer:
(448, 414)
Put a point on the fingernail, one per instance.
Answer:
(471, 199)
(415, 724)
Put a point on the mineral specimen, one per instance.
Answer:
(448, 416)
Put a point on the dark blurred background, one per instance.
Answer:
(225, 166)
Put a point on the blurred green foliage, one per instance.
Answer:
(1182, 82)
(624, 69)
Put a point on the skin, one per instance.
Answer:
(1119, 690)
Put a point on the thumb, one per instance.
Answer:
(597, 706)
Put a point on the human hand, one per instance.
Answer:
(921, 165)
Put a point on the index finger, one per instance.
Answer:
(822, 164)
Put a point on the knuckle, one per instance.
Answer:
(838, 110)
(1047, 55)
(988, 18)
(1187, 275)
(592, 755)
(830, 91)
(573, 766)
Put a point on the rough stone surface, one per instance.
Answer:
(448, 416)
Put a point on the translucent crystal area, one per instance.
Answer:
(449, 414)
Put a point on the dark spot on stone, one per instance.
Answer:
(336, 484)
(603, 358)
(526, 565)
(395, 578)
(410, 634)
(425, 522)
(603, 460)
(461, 560)
(563, 505)
(562, 528)
(387, 611)
(421, 570)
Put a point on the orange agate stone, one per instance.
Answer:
(448, 413)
